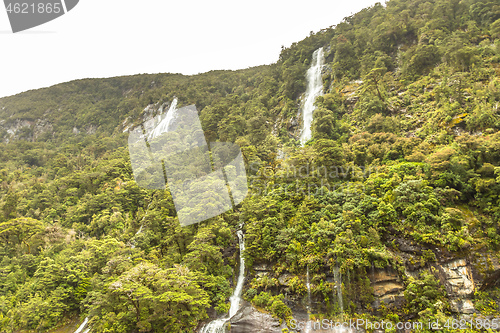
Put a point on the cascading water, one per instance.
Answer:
(82, 326)
(314, 89)
(215, 326)
(138, 231)
(338, 285)
(236, 298)
(348, 285)
(218, 325)
(308, 285)
(162, 127)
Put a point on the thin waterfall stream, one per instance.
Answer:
(338, 285)
(308, 285)
(218, 325)
(313, 90)
(81, 328)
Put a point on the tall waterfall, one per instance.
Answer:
(338, 285)
(314, 89)
(218, 325)
(162, 127)
(236, 298)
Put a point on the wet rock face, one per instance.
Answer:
(285, 279)
(249, 319)
(459, 278)
(486, 270)
(264, 267)
(293, 123)
(408, 246)
(459, 285)
(29, 130)
(464, 306)
(387, 288)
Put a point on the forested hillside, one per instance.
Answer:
(391, 210)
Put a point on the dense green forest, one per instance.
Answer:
(402, 175)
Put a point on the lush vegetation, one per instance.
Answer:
(405, 149)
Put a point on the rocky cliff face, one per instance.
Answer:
(29, 130)
(460, 276)
(459, 285)
(387, 288)
(249, 319)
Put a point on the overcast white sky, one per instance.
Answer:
(104, 38)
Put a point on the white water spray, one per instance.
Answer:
(215, 326)
(218, 325)
(314, 89)
(138, 231)
(236, 298)
(164, 124)
(82, 326)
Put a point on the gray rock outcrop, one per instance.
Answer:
(249, 319)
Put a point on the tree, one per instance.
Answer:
(459, 54)
(423, 293)
(495, 29)
(372, 82)
(323, 125)
(20, 231)
(150, 299)
(420, 59)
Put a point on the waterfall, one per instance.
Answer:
(338, 285)
(308, 285)
(218, 325)
(215, 326)
(138, 231)
(314, 89)
(162, 127)
(236, 298)
(348, 285)
(82, 326)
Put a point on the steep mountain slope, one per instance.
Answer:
(390, 212)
